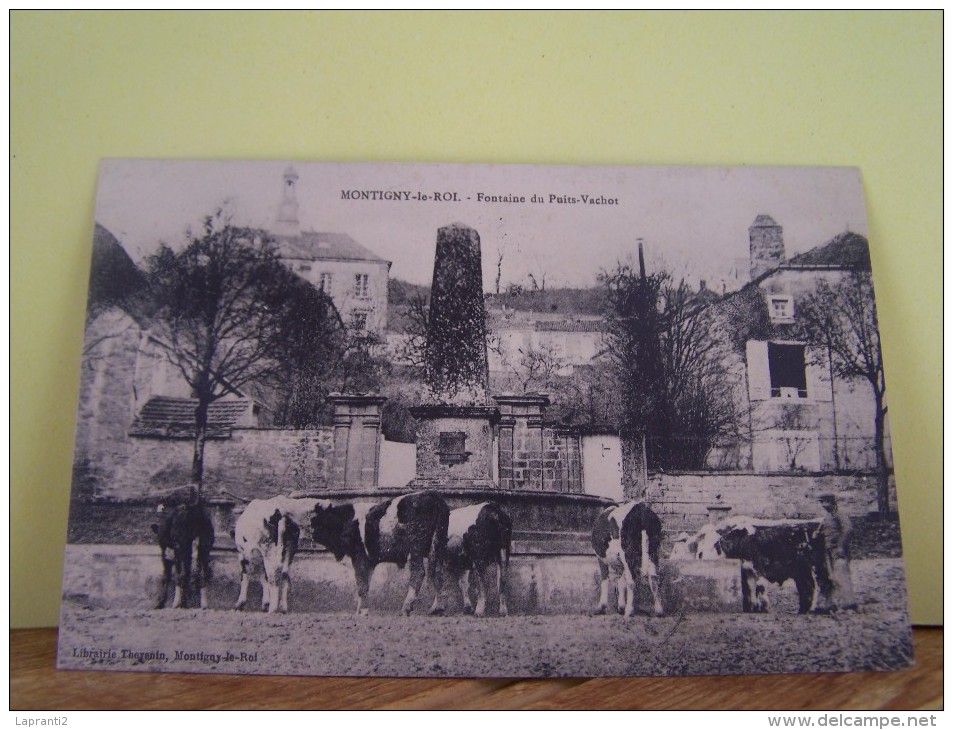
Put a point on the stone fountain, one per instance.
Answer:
(472, 447)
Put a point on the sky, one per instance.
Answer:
(693, 221)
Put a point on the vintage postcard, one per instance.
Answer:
(481, 420)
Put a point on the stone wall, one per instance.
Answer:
(681, 500)
(106, 400)
(112, 465)
(252, 463)
(129, 577)
(534, 457)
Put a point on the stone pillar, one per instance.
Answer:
(506, 444)
(522, 442)
(455, 430)
(456, 366)
(355, 463)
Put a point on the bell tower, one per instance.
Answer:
(766, 241)
(287, 221)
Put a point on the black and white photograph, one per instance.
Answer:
(445, 420)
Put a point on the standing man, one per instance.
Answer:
(836, 529)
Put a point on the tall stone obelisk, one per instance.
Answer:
(456, 362)
(455, 430)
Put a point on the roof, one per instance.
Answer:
(574, 325)
(175, 417)
(114, 278)
(845, 251)
(314, 245)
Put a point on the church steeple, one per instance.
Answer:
(287, 221)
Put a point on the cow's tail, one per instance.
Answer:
(651, 545)
(655, 544)
(438, 545)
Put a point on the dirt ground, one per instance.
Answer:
(876, 637)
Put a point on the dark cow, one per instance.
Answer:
(478, 538)
(266, 537)
(627, 540)
(773, 550)
(411, 527)
(186, 536)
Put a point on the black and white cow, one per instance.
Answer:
(478, 538)
(266, 537)
(772, 550)
(626, 540)
(186, 536)
(409, 528)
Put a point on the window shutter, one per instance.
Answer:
(759, 377)
(818, 374)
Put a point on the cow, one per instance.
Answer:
(479, 537)
(411, 527)
(769, 550)
(186, 536)
(626, 539)
(266, 537)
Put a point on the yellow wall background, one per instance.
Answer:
(740, 88)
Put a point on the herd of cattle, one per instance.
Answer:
(472, 543)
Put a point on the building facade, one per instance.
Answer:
(802, 415)
(354, 277)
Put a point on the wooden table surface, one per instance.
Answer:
(36, 685)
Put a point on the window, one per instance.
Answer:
(304, 267)
(360, 285)
(325, 284)
(787, 371)
(781, 308)
(453, 447)
(359, 321)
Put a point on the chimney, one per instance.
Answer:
(766, 245)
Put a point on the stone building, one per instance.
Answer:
(796, 419)
(562, 343)
(136, 415)
(802, 416)
(135, 429)
(354, 277)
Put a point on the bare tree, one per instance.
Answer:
(231, 313)
(534, 368)
(675, 394)
(699, 406)
(842, 317)
(412, 349)
(633, 339)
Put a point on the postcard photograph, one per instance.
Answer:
(434, 420)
